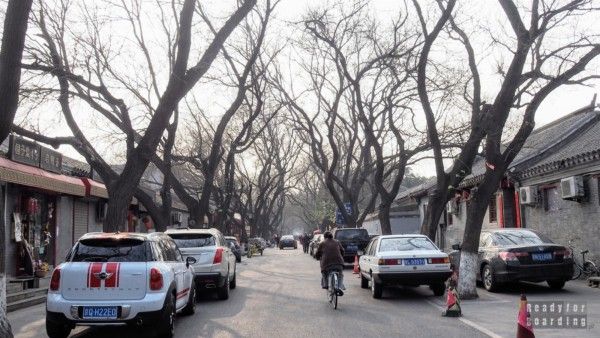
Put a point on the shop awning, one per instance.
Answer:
(22, 174)
(94, 188)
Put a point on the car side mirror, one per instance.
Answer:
(190, 261)
(456, 246)
(360, 252)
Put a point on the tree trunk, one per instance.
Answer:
(433, 213)
(118, 205)
(13, 41)
(470, 246)
(384, 219)
(5, 329)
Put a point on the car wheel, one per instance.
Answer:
(167, 326)
(376, 289)
(488, 278)
(190, 307)
(233, 282)
(438, 289)
(223, 291)
(364, 282)
(57, 330)
(556, 284)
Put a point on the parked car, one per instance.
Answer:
(352, 240)
(215, 266)
(259, 241)
(120, 278)
(511, 255)
(314, 244)
(235, 247)
(410, 260)
(287, 241)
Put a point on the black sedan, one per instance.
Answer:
(511, 255)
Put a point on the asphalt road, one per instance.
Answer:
(279, 295)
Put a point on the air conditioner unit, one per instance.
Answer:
(571, 188)
(528, 195)
(176, 218)
(452, 206)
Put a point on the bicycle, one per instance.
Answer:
(585, 269)
(333, 290)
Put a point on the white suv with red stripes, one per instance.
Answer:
(120, 278)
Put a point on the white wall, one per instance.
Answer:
(64, 227)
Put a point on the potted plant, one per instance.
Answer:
(41, 269)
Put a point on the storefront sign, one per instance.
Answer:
(31, 153)
(51, 160)
(24, 151)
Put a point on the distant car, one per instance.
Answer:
(352, 240)
(314, 244)
(236, 248)
(120, 278)
(510, 255)
(258, 241)
(288, 241)
(410, 260)
(215, 266)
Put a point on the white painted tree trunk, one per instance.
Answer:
(5, 329)
(467, 288)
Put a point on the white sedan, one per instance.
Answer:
(412, 260)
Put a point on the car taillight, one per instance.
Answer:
(566, 253)
(511, 256)
(55, 281)
(442, 260)
(218, 256)
(156, 279)
(388, 261)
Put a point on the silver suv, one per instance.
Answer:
(215, 266)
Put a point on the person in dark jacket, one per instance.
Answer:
(331, 254)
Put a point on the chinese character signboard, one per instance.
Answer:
(31, 153)
(24, 151)
(339, 218)
(51, 160)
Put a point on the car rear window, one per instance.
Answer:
(349, 234)
(508, 238)
(110, 250)
(406, 244)
(193, 240)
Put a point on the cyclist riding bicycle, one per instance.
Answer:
(331, 254)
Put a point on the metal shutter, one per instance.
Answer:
(80, 219)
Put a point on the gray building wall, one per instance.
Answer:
(64, 227)
(567, 221)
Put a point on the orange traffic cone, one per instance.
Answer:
(452, 303)
(524, 327)
(355, 270)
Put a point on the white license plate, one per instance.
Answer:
(99, 312)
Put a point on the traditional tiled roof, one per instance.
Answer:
(553, 140)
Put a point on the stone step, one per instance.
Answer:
(24, 303)
(594, 282)
(30, 293)
(13, 288)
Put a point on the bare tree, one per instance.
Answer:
(538, 66)
(13, 41)
(98, 73)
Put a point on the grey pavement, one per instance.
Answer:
(278, 295)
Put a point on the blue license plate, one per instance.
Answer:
(542, 257)
(414, 261)
(352, 248)
(99, 312)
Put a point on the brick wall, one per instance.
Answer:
(578, 222)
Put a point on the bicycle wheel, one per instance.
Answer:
(576, 271)
(334, 281)
(589, 269)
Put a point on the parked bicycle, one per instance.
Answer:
(333, 290)
(583, 268)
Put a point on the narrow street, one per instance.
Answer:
(278, 295)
